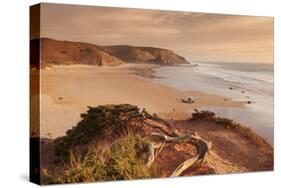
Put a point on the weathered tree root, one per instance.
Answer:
(203, 148)
(147, 116)
(153, 150)
(204, 155)
(151, 155)
(185, 165)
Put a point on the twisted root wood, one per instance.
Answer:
(162, 122)
(185, 165)
(203, 148)
(153, 150)
(151, 155)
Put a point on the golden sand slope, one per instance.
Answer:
(68, 90)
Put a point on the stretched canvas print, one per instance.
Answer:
(124, 94)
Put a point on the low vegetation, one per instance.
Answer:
(109, 143)
(100, 120)
(205, 115)
(122, 160)
(90, 151)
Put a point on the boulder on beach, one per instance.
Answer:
(188, 100)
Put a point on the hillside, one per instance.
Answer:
(132, 54)
(54, 52)
(122, 142)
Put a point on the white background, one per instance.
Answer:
(14, 83)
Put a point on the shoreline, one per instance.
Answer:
(220, 80)
(62, 95)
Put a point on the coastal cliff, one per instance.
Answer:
(134, 54)
(55, 52)
(123, 142)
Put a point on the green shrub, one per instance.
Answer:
(124, 159)
(155, 116)
(228, 124)
(97, 121)
(202, 115)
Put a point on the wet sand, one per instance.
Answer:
(68, 90)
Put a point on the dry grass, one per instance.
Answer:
(122, 160)
(89, 151)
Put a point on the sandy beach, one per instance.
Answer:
(68, 90)
(126, 94)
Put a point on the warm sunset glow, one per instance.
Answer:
(197, 36)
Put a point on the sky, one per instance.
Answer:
(196, 36)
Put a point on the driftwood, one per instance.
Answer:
(169, 134)
(156, 126)
(151, 155)
(203, 148)
(153, 150)
(147, 116)
(185, 165)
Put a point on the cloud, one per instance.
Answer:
(194, 35)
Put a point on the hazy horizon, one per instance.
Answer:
(196, 36)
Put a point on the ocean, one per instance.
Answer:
(249, 82)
